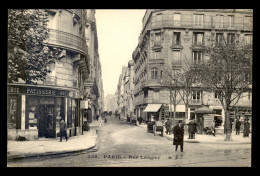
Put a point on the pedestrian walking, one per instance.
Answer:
(97, 117)
(191, 129)
(238, 124)
(63, 130)
(105, 119)
(178, 132)
(246, 129)
(213, 127)
(168, 126)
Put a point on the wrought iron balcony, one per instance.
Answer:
(67, 40)
(239, 25)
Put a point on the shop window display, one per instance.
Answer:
(59, 112)
(69, 113)
(32, 117)
(12, 113)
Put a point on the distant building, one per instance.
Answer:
(109, 103)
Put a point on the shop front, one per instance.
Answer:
(35, 112)
(152, 112)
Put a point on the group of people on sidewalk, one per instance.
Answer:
(178, 130)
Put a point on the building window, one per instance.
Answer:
(156, 95)
(154, 73)
(219, 21)
(230, 20)
(248, 22)
(198, 20)
(176, 38)
(157, 55)
(248, 39)
(196, 96)
(176, 58)
(198, 38)
(219, 37)
(175, 72)
(145, 93)
(176, 19)
(231, 38)
(158, 38)
(217, 94)
(197, 57)
(158, 20)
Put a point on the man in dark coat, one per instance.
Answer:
(191, 129)
(63, 130)
(178, 132)
(168, 126)
(238, 124)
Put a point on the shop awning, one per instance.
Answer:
(152, 107)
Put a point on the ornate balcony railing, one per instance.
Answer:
(67, 40)
(209, 24)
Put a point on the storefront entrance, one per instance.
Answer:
(47, 121)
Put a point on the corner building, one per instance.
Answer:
(169, 37)
(35, 111)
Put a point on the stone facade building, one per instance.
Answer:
(169, 37)
(94, 84)
(109, 103)
(35, 110)
(125, 91)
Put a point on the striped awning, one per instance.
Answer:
(152, 107)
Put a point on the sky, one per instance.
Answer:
(118, 32)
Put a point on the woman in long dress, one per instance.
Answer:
(246, 129)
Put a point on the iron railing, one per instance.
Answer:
(67, 40)
(209, 24)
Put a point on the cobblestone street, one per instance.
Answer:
(124, 145)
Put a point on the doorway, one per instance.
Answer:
(47, 125)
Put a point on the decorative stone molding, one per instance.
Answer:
(238, 33)
(157, 48)
(74, 18)
(213, 32)
(52, 10)
(176, 47)
(186, 31)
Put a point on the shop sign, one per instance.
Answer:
(28, 90)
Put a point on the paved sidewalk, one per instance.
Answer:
(52, 146)
(210, 139)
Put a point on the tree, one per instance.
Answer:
(28, 56)
(227, 72)
(170, 79)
